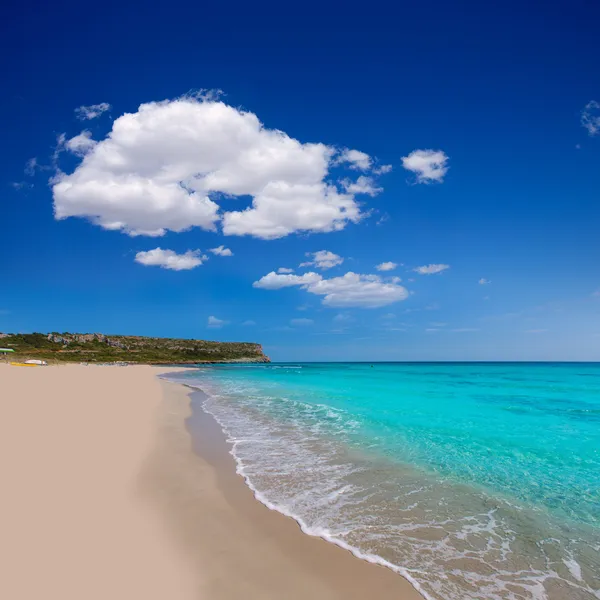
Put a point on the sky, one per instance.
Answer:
(406, 182)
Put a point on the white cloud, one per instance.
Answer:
(249, 323)
(284, 270)
(383, 169)
(351, 289)
(590, 117)
(355, 158)
(386, 266)
(30, 167)
(431, 269)
(81, 144)
(363, 185)
(21, 185)
(86, 113)
(168, 259)
(214, 323)
(221, 251)
(483, 281)
(274, 281)
(166, 166)
(428, 165)
(343, 318)
(323, 259)
(301, 322)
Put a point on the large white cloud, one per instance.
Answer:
(169, 259)
(349, 290)
(168, 165)
(428, 165)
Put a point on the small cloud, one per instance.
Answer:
(386, 266)
(323, 259)
(86, 113)
(590, 117)
(31, 166)
(431, 269)
(284, 270)
(483, 281)
(536, 331)
(214, 323)
(21, 185)
(168, 259)
(249, 323)
(388, 316)
(355, 159)
(221, 251)
(301, 322)
(343, 318)
(431, 330)
(81, 144)
(363, 185)
(382, 170)
(428, 165)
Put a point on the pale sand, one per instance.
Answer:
(102, 497)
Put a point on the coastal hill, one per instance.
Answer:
(98, 347)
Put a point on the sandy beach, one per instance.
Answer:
(103, 496)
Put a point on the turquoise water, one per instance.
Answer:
(473, 480)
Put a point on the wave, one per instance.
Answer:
(449, 541)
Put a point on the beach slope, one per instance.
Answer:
(103, 497)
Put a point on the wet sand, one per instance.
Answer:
(103, 496)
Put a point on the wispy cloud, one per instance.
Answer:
(431, 269)
(301, 322)
(93, 111)
(590, 117)
(214, 323)
(483, 281)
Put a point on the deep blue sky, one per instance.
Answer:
(500, 90)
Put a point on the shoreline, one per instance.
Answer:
(281, 560)
(104, 496)
(207, 422)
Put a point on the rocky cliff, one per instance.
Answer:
(99, 347)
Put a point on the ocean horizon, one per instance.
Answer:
(471, 479)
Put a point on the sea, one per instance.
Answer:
(472, 480)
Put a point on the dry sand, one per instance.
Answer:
(103, 497)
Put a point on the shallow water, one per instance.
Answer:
(472, 480)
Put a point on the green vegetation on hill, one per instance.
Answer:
(97, 347)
